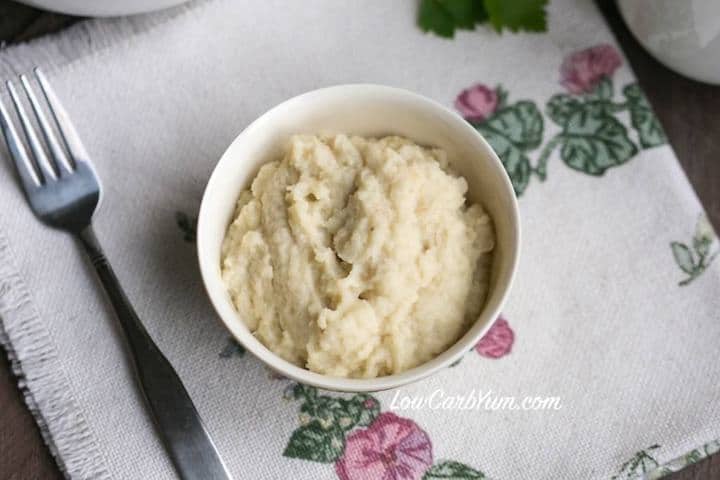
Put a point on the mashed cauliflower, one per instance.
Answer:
(357, 257)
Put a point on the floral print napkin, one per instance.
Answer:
(602, 365)
(592, 138)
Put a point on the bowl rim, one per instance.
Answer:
(219, 301)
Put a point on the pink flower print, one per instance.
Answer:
(477, 103)
(582, 70)
(391, 448)
(498, 341)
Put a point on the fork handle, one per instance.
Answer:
(178, 422)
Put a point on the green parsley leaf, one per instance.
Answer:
(466, 13)
(517, 14)
(443, 17)
(434, 17)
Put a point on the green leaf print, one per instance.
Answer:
(512, 131)
(683, 461)
(702, 245)
(640, 463)
(331, 412)
(693, 457)
(315, 443)
(502, 96)
(299, 391)
(693, 261)
(521, 123)
(642, 118)
(683, 257)
(594, 128)
(603, 91)
(711, 448)
(704, 236)
(595, 141)
(359, 411)
(325, 420)
(593, 138)
(516, 163)
(560, 107)
(451, 470)
(364, 409)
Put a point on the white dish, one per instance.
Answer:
(683, 35)
(102, 8)
(367, 110)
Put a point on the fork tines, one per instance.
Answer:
(56, 157)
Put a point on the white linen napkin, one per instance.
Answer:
(612, 321)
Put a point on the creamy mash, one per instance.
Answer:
(357, 257)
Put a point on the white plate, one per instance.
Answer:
(102, 8)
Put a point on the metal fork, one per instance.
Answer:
(63, 191)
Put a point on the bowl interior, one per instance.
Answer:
(367, 110)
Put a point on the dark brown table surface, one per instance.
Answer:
(689, 111)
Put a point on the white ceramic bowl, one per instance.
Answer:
(102, 8)
(368, 110)
(683, 36)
